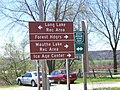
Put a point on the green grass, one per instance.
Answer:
(8, 86)
(100, 79)
(102, 61)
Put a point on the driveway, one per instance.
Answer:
(90, 86)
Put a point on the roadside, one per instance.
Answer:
(103, 85)
(90, 86)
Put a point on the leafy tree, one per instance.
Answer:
(12, 62)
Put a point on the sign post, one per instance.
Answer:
(81, 47)
(50, 41)
(85, 57)
(41, 18)
(68, 71)
(38, 75)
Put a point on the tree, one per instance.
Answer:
(64, 10)
(12, 62)
(105, 19)
(19, 12)
(25, 56)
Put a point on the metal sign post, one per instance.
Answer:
(84, 74)
(38, 75)
(67, 69)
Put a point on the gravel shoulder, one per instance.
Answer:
(90, 86)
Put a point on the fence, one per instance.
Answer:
(95, 72)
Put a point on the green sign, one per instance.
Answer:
(79, 42)
(79, 48)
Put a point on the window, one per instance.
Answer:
(36, 73)
(56, 72)
(53, 72)
(28, 75)
(63, 72)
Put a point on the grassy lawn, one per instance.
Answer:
(100, 79)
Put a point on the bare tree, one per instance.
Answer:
(20, 12)
(105, 18)
(25, 56)
(65, 10)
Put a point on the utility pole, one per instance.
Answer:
(44, 75)
(85, 57)
(41, 18)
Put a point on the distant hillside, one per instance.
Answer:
(103, 55)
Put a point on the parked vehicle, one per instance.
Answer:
(61, 76)
(30, 78)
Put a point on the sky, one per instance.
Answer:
(7, 35)
(95, 43)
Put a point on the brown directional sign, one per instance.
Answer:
(51, 27)
(51, 56)
(52, 46)
(51, 36)
(51, 40)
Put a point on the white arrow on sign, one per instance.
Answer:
(79, 48)
(69, 55)
(66, 36)
(66, 46)
(40, 27)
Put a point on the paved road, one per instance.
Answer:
(90, 86)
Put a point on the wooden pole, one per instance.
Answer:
(41, 18)
(85, 57)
